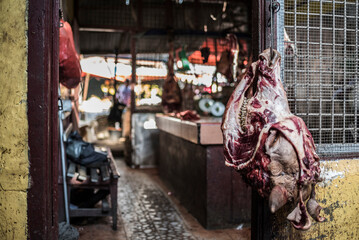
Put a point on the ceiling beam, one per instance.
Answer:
(97, 29)
(159, 31)
(105, 28)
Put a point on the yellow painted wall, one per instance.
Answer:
(14, 165)
(338, 194)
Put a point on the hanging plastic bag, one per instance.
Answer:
(70, 68)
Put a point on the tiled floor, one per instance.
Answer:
(148, 211)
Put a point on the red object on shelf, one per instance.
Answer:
(197, 58)
(69, 63)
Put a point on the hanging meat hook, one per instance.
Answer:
(273, 8)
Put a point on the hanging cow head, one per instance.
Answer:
(268, 145)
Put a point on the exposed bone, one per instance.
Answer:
(243, 114)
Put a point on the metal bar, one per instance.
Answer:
(63, 165)
(325, 51)
(320, 72)
(323, 44)
(325, 114)
(325, 101)
(318, 28)
(280, 38)
(133, 76)
(356, 75)
(108, 30)
(328, 149)
(316, 71)
(307, 62)
(329, 129)
(333, 73)
(345, 64)
(271, 29)
(324, 15)
(295, 57)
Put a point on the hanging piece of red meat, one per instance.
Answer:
(171, 94)
(69, 63)
(269, 146)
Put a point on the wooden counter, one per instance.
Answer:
(205, 131)
(192, 165)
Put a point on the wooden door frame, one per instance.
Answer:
(43, 48)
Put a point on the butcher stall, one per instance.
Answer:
(191, 163)
(318, 44)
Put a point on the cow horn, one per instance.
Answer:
(277, 198)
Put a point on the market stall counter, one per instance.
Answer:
(191, 163)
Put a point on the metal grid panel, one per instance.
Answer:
(106, 13)
(321, 69)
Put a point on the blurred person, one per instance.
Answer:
(123, 94)
(123, 97)
(121, 101)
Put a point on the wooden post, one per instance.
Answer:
(262, 219)
(133, 77)
(42, 72)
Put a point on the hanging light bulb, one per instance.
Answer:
(112, 90)
(104, 88)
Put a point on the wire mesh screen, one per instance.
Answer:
(321, 69)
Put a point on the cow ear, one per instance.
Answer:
(271, 139)
(299, 218)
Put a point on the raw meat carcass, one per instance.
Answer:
(188, 115)
(69, 63)
(228, 63)
(268, 145)
(171, 95)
